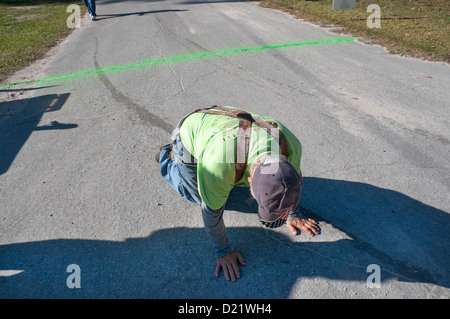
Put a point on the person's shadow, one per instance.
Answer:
(141, 13)
(407, 239)
(410, 238)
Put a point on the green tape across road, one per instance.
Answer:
(186, 57)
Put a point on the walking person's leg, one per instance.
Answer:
(90, 5)
(94, 9)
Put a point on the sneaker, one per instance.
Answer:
(93, 17)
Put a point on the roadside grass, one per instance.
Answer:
(28, 29)
(416, 28)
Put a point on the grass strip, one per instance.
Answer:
(416, 28)
(28, 29)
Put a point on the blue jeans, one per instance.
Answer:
(180, 171)
(90, 5)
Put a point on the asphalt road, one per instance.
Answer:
(79, 184)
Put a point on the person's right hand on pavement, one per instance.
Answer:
(228, 264)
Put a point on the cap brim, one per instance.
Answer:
(266, 216)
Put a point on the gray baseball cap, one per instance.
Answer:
(276, 186)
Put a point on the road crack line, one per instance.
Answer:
(180, 77)
(143, 114)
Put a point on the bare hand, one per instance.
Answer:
(228, 264)
(308, 225)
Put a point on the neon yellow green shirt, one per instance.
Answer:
(211, 139)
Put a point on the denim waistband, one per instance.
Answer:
(180, 153)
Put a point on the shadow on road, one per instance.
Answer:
(26, 89)
(103, 2)
(385, 228)
(211, 1)
(410, 238)
(19, 118)
(176, 263)
(143, 13)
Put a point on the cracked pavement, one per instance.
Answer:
(79, 185)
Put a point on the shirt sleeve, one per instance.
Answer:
(295, 214)
(215, 228)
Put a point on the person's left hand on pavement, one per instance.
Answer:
(308, 225)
